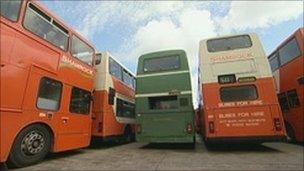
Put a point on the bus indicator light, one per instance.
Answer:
(138, 129)
(226, 79)
(189, 128)
(277, 124)
(211, 127)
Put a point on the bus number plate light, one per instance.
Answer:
(226, 79)
(246, 79)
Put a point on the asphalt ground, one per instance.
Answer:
(138, 156)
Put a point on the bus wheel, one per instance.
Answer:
(290, 133)
(31, 145)
(128, 134)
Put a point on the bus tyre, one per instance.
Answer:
(290, 133)
(128, 134)
(31, 145)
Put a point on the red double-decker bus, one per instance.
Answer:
(287, 65)
(47, 77)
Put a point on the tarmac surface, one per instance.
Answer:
(137, 156)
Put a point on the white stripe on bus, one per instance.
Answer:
(161, 94)
(165, 73)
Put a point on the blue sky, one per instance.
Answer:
(128, 29)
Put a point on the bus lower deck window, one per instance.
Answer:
(49, 94)
(80, 101)
(293, 98)
(238, 93)
(163, 102)
(283, 102)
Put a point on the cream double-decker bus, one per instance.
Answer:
(238, 97)
(114, 100)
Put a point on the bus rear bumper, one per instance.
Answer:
(259, 139)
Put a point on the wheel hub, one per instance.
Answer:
(32, 143)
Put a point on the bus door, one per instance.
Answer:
(76, 122)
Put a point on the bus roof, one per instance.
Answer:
(60, 21)
(227, 36)
(108, 54)
(161, 53)
(301, 29)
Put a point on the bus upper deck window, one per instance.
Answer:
(162, 64)
(289, 51)
(229, 43)
(10, 9)
(115, 69)
(45, 27)
(82, 51)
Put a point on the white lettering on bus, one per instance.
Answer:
(65, 59)
(240, 103)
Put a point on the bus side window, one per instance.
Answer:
(293, 98)
(42, 25)
(80, 101)
(289, 51)
(111, 96)
(274, 62)
(301, 81)
(10, 9)
(125, 109)
(115, 69)
(283, 102)
(49, 94)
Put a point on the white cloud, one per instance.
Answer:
(192, 26)
(259, 14)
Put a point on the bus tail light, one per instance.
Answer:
(277, 124)
(99, 127)
(189, 128)
(138, 128)
(211, 127)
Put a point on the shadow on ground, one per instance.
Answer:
(97, 143)
(239, 147)
(169, 146)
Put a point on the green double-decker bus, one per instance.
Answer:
(164, 108)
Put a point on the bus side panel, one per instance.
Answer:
(98, 110)
(295, 115)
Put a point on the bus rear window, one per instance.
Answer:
(162, 64)
(163, 102)
(229, 43)
(239, 93)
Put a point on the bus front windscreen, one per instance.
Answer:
(229, 43)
